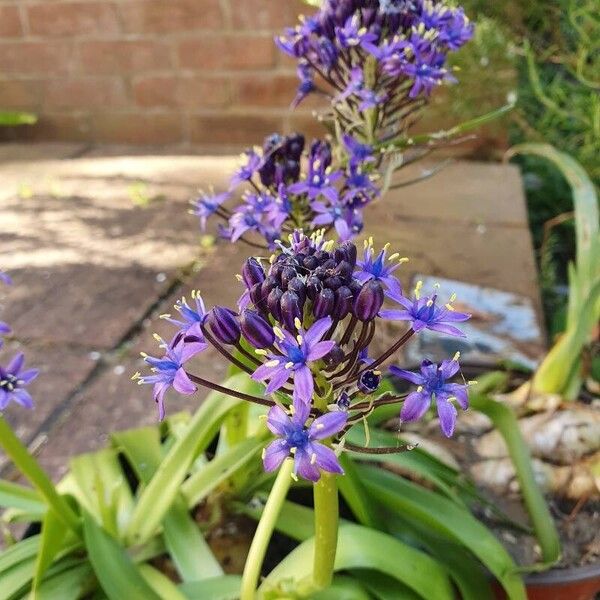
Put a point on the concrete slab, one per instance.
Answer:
(15, 151)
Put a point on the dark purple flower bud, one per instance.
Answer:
(322, 256)
(333, 283)
(369, 301)
(255, 294)
(298, 286)
(350, 253)
(313, 287)
(274, 303)
(334, 357)
(224, 325)
(343, 401)
(269, 284)
(369, 381)
(252, 272)
(343, 303)
(294, 146)
(256, 329)
(343, 270)
(329, 264)
(287, 274)
(291, 309)
(310, 262)
(323, 303)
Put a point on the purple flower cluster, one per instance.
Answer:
(13, 379)
(278, 197)
(303, 327)
(385, 54)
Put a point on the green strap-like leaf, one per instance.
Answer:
(141, 448)
(186, 545)
(116, 572)
(19, 552)
(72, 584)
(161, 584)
(363, 548)
(16, 579)
(446, 517)
(53, 540)
(201, 483)
(158, 495)
(226, 587)
(13, 495)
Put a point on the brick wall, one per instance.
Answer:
(195, 72)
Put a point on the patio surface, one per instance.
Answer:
(99, 246)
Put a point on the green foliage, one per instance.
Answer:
(14, 119)
(126, 506)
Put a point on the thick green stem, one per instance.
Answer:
(326, 529)
(30, 468)
(265, 528)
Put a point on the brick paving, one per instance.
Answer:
(99, 246)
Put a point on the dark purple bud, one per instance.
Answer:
(349, 250)
(313, 287)
(310, 262)
(256, 329)
(322, 256)
(255, 294)
(323, 303)
(333, 283)
(298, 286)
(369, 301)
(224, 325)
(329, 264)
(294, 146)
(252, 272)
(287, 274)
(343, 303)
(274, 303)
(269, 284)
(369, 381)
(343, 401)
(291, 309)
(343, 270)
(334, 357)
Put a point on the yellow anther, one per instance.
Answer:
(420, 389)
(278, 333)
(272, 363)
(452, 299)
(294, 476)
(300, 340)
(456, 357)
(260, 351)
(418, 289)
(313, 459)
(289, 365)
(376, 372)
(404, 259)
(157, 337)
(293, 450)
(430, 302)
(143, 354)
(472, 382)
(297, 323)
(394, 256)
(450, 307)
(165, 316)
(135, 376)
(386, 247)
(238, 277)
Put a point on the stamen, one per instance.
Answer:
(299, 338)
(263, 453)
(136, 375)
(261, 351)
(297, 323)
(278, 333)
(313, 459)
(165, 316)
(288, 365)
(272, 363)
(456, 357)
(418, 288)
(394, 256)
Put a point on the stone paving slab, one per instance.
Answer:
(99, 247)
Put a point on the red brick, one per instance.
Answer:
(136, 128)
(227, 52)
(34, 57)
(268, 14)
(190, 92)
(20, 94)
(160, 16)
(120, 56)
(305, 123)
(10, 22)
(265, 90)
(64, 19)
(58, 127)
(84, 93)
(235, 129)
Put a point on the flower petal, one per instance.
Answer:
(415, 378)
(415, 406)
(23, 398)
(448, 368)
(159, 391)
(459, 391)
(183, 384)
(317, 330)
(278, 380)
(304, 467)
(265, 372)
(443, 328)
(447, 414)
(303, 384)
(325, 458)
(320, 349)
(278, 421)
(327, 425)
(301, 412)
(29, 375)
(14, 366)
(275, 453)
(395, 315)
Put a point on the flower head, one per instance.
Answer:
(297, 439)
(380, 268)
(424, 313)
(5, 278)
(13, 380)
(206, 205)
(191, 318)
(432, 382)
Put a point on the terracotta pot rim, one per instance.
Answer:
(568, 575)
